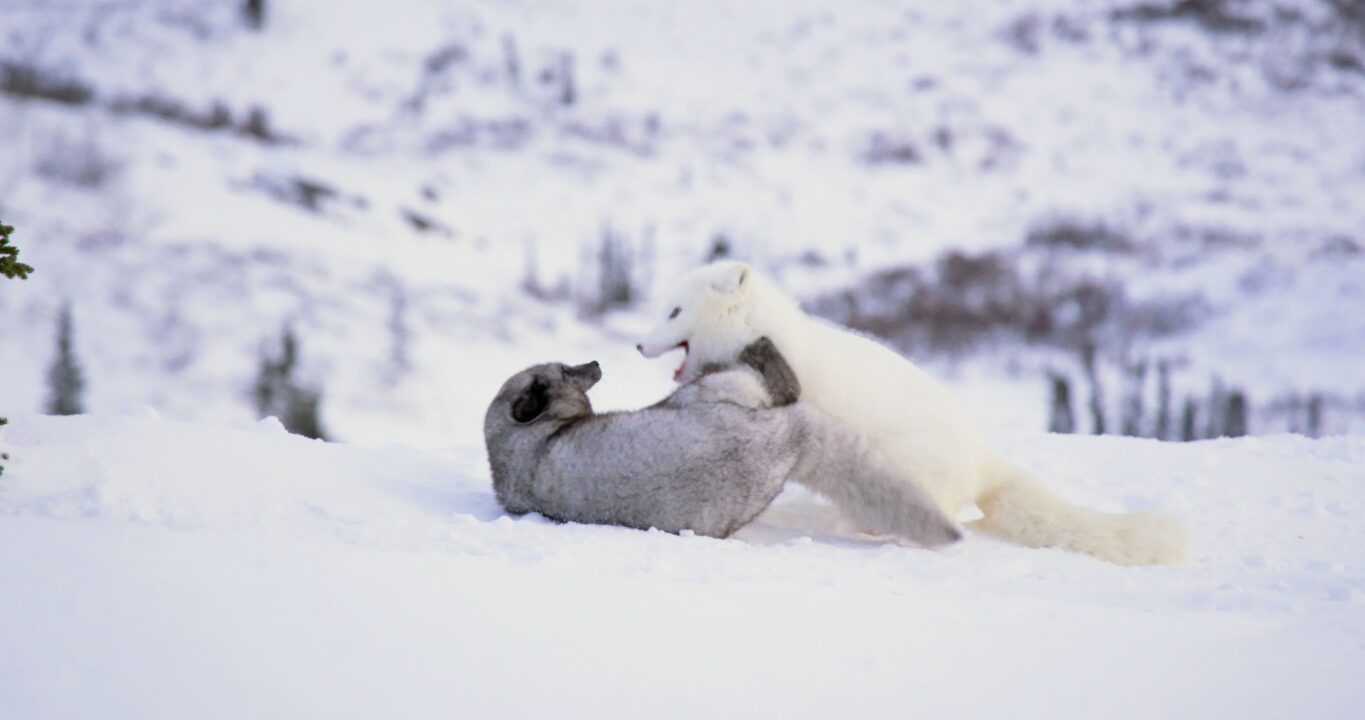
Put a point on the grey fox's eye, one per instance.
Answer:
(675, 312)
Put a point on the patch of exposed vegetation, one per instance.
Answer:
(964, 300)
(31, 82)
(1074, 234)
(1219, 16)
(28, 82)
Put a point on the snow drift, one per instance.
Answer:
(160, 569)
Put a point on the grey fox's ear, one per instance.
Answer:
(531, 403)
(731, 279)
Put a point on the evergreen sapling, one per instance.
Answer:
(65, 381)
(10, 266)
(277, 393)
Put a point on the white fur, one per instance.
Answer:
(907, 416)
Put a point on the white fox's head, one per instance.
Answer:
(706, 314)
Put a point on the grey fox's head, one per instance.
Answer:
(530, 407)
(553, 391)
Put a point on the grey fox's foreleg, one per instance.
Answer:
(778, 377)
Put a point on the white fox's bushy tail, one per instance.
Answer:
(1020, 510)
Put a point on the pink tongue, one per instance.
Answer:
(677, 374)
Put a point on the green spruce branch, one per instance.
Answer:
(10, 266)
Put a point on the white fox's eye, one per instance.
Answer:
(675, 312)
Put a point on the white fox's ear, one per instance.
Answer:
(732, 279)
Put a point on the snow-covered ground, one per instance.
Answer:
(158, 569)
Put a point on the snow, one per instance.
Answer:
(157, 568)
(172, 555)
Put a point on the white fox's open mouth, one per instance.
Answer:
(678, 374)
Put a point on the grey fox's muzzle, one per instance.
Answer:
(585, 375)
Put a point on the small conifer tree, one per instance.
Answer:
(568, 91)
(1188, 416)
(1090, 365)
(1216, 416)
(277, 393)
(511, 60)
(615, 272)
(615, 288)
(1314, 425)
(1063, 417)
(65, 382)
(720, 248)
(254, 12)
(1133, 410)
(1235, 414)
(1296, 416)
(10, 266)
(1162, 431)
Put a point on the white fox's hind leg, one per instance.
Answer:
(868, 490)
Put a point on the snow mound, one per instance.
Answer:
(162, 569)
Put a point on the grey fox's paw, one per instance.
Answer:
(759, 353)
(778, 377)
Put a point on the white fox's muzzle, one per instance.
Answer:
(653, 351)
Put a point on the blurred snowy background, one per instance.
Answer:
(1164, 200)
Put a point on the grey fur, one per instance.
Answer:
(707, 458)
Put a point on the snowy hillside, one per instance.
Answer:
(422, 188)
(156, 569)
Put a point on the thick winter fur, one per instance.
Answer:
(903, 414)
(708, 458)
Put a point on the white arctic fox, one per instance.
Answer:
(713, 312)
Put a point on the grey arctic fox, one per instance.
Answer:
(707, 458)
